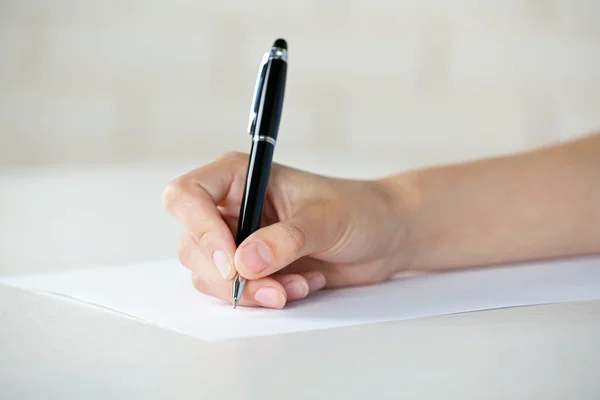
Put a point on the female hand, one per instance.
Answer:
(317, 232)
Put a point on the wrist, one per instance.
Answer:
(404, 197)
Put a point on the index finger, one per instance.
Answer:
(193, 198)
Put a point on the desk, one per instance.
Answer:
(52, 349)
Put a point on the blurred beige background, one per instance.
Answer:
(103, 102)
(88, 82)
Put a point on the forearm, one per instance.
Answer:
(534, 205)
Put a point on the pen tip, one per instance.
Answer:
(280, 43)
(235, 302)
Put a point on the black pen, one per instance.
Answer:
(263, 126)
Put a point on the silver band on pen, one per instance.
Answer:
(264, 139)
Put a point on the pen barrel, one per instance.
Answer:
(270, 108)
(255, 191)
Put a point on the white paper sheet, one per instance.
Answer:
(161, 293)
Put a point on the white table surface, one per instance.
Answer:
(67, 218)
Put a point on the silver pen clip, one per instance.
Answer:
(257, 91)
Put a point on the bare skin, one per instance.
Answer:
(320, 232)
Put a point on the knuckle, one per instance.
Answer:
(294, 235)
(173, 192)
(189, 242)
(234, 163)
(233, 156)
(201, 238)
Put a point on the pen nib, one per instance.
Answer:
(238, 286)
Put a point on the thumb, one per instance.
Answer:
(274, 247)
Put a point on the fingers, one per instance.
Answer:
(265, 292)
(193, 199)
(295, 286)
(272, 292)
(272, 248)
(207, 280)
(201, 201)
(315, 281)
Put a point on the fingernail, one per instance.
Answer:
(316, 282)
(296, 289)
(222, 263)
(255, 257)
(269, 297)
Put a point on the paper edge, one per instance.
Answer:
(117, 313)
(6, 280)
(95, 306)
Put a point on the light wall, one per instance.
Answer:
(427, 81)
